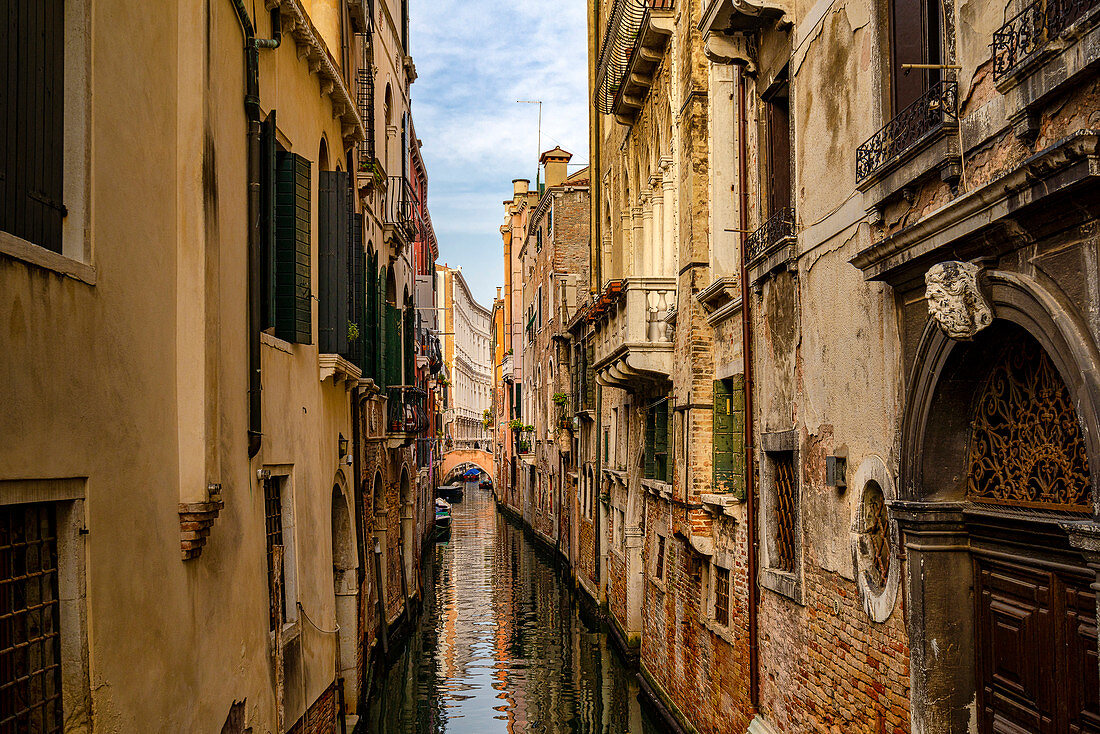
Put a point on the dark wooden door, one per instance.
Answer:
(1036, 649)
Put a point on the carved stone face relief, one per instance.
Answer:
(954, 299)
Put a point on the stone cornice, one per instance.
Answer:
(312, 48)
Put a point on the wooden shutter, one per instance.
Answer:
(333, 236)
(358, 315)
(372, 334)
(722, 429)
(779, 150)
(660, 442)
(410, 343)
(32, 113)
(393, 345)
(268, 146)
(293, 309)
(915, 39)
(649, 456)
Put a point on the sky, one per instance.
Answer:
(473, 61)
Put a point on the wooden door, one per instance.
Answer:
(1036, 649)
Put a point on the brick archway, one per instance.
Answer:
(453, 459)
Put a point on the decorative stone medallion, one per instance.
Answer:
(954, 299)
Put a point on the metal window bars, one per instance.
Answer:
(400, 212)
(771, 235)
(930, 113)
(273, 531)
(365, 100)
(785, 509)
(1030, 30)
(30, 623)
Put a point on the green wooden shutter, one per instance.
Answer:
(358, 315)
(383, 324)
(372, 344)
(649, 455)
(293, 308)
(333, 251)
(410, 344)
(268, 147)
(729, 436)
(660, 441)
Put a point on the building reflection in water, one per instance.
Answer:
(500, 646)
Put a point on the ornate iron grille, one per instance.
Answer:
(722, 596)
(1026, 447)
(1030, 30)
(623, 24)
(876, 536)
(30, 644)
(917, 122)
(273, 528)
(771, 235)
(785, 510)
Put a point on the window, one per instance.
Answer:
(30, 620)
(915, 39)
(777, 109)
(341, 266)
(659, 563)
(32, 123)
(538, 240)
(656, 442)
(273, 528)
(722, 596)
(729, 436)
(785, 511)
(286, 228)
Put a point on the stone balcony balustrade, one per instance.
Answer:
(633, 339)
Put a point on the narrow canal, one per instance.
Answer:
(501, 645)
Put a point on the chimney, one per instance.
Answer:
(519, 186)
(554, 161)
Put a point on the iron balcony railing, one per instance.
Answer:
(407, 411)
(771, 235)
(1030, 30)
(400, 207)
(365, 100)
(619, 40)
(935, 109)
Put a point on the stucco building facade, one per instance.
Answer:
(467, 342)
(214, 451)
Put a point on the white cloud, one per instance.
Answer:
(474, 60)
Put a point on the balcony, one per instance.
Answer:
(406, 414)
(771, 245)
(633, 342)
(400, 213)
(633, 45)
(507, 372)
(1030, 35)
(364, 97)
(933, 114)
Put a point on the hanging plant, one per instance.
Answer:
(353, 331)
(515, 424)
(560, 398)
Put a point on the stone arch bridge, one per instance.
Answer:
(460, 460)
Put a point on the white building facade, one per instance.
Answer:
(466, 349)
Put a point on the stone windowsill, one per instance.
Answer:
(18, 248)
(658, 488)
(721, 504)
(782, 583)
(658, 584)
(721, 632)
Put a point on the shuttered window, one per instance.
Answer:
(334, 263)
(358, 299)
(915, 39)
(392, 350)
(293, 310)
(729, 436)
(372, 345)
(32, 107)
(410, 343)
(655, 453)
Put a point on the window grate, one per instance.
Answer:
(784, 511)
(273, 525)
(660, 571)
(722, 596)
(876, 528)
(30, 645)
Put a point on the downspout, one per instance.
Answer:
(746, 350)
(361, 569)
(252, 46)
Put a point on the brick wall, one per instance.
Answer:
(320, 717)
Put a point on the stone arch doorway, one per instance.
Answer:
(997, 497)
(346, 591)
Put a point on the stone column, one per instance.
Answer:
(657, 244)
(668, 244)
(939, 614)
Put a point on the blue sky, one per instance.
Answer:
(474, 60)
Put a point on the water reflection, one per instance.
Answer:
(500, 646)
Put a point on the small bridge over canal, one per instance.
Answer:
(459, 461)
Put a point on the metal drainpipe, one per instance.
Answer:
(746, 350)
(252, 46)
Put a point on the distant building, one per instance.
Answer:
(466, 353)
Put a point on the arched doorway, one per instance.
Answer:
(408, 577)
(998, 480)
(346, 591)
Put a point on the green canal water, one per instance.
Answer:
(501, 645)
